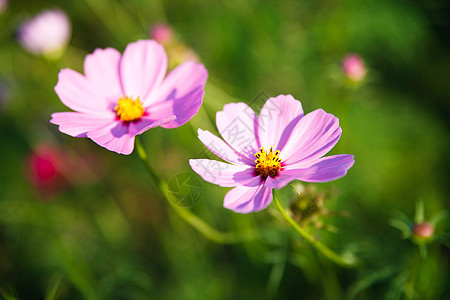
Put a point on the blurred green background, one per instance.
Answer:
(99, 230)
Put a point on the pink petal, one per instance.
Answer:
(142, 68)
(280, 181)
(313, 136)
(245, 200)
(222, 174)
(236, 124)
(113, 137)
(182, 80)
(78, 124)
(77, 93)
(277, 118)
(248, 178)
(144, 124)
(184, 108)
(322, 170)
(222, 149)
(102, 72)
(180, 94)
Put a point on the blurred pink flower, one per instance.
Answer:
(46, 34)
(423, 230)
(287, 146)
(162, 33)
(3, 5)
(353, 67)
(51, 169)
(122, 96)
(46, 169)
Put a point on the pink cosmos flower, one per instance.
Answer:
(121, 96)
(47, 34)
(269, 151)
(353, 67)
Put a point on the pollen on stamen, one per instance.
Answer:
(129, 110)
(268, 163)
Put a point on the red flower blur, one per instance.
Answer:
(45, 168)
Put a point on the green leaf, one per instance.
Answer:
(370, 280)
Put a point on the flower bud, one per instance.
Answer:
(46, 34)
(423, 230)
(162, 33)
(354, 68)
(308, 205)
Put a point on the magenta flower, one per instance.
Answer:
(123, 96)
(270, 151)
(46, 34)
(46, 169)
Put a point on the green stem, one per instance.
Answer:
(315, 243)
(408, 289)
(193, 220)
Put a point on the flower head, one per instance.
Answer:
(423, 230)
(121, 96)
(269, 151)
(46, 34)
(354, 68)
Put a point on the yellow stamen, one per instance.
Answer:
(267, 163)
(128, 109)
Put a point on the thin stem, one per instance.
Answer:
(315, 243)
(144, 158)
(408, 289)
(193, 220)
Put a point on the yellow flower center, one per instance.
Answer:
(267, 163)
(128, 109)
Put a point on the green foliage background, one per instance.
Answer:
(112, 236)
